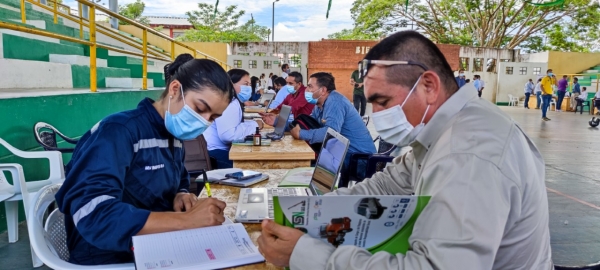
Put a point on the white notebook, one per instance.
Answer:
(216, 247)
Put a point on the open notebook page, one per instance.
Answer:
(204, 248)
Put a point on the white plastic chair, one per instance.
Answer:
(49, 240)
(23, 190)
(512, 100)
(7, 191)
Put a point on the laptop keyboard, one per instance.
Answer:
(278, 192)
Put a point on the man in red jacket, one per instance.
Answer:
(295, 99)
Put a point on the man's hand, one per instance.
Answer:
(260, 123)
(184, 201)
(277, 242)
(360, 85)
(352, 82)
(295, 132)
(206, 212)
(268, 118)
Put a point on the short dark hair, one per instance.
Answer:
(283, 67)
(584, 88)
(197, 75)
(324, 79)
(575, 79)
(297, 76)
(548, 70)
(412, 46)
(280, 81)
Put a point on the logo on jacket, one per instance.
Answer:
(155, 167)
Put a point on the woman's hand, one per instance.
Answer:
(206, 212)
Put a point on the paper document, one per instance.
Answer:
(218, 175)
(373, 222)
(204, 248)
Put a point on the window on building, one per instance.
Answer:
(490, 66)
(260, 54)
(478, 64)
(464, 63)
(509, 70)
(537, 70)
(523, 71)
(252, 64)
(267, 64)
(504, 60)
(237, 63)
(295, 60)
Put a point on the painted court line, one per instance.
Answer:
(573, 198)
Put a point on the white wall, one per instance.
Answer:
(514, 84)
(34, 74)
(275, 68)
(541, 57)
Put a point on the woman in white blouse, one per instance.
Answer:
(231, 125)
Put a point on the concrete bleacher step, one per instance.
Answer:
(25, 48)
(76, 60)
(34, 74)
(127, 83)
(591, 71)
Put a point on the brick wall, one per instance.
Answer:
(340, 57)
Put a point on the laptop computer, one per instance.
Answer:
(256, 204)
(257, 115)
(282, 119)
(261, 101)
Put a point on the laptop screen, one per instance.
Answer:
(329, 163)
(284, 114)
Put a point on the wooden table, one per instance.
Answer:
(255, 110)
(285, 154)
(230, 195)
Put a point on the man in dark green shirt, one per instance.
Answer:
(359, 93)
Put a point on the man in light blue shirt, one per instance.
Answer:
(529, 86)
(334, 111)
(278, 84)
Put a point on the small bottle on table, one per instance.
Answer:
(257, 139)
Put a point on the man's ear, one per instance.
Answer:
(433, 86)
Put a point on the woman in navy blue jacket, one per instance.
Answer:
(127, 174)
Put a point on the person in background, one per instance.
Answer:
(529, 88)
(278, 85)
(255, 96)
(231, 125)
(488, 206)
(127, 176)
(295, 99)
(333, 110)
(360, 102)
(548, 82)
(561, 91)
(270, 81)
(597, 102)
(582, 98)
(467, 81)
(263, 82)
(460, 79)
(479, 84)
(285, 70)
(575, 92)
(538, 93)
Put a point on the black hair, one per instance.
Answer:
(540, 79)
(279, 81)
(253, 81)
(584, 88)
(467, 80)
(575, 79)
(412, 46)
(297, 76)
(283, 67)
(236, 75)
(197, 75)
(548, 70)
(324, 79)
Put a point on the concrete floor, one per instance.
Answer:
(572, 178)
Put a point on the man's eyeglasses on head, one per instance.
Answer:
(365, 64)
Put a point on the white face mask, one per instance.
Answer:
(392, 125)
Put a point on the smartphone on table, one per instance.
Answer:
(243, 175)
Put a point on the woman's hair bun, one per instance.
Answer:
(171, 68)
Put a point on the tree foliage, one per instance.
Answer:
(222, 26)
(485, 23)
(134, 11)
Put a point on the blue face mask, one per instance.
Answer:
(550, 74)
(309, 97)
(186, 124)
(290, 89)
(245, 93)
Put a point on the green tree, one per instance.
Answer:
(222, 26)
(509, 24)
(134, 12)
